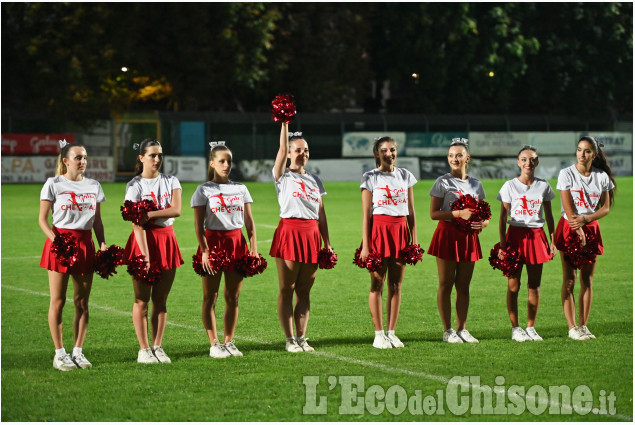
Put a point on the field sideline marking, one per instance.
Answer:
(331, 356)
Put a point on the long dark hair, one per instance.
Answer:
(212, 155)
(141, 149)
(378, 143)
(601, 162)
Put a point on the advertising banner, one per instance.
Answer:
(613, 142)
(36, 169)
(360, 143)
(186, 168)
(430, 143)
(33, 144)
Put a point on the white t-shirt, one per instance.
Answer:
(526, 201)
(74, 203)
(585, 191)
(159, 190)
(450, 188)
(225, 204)
(299, 194)
(390, 190)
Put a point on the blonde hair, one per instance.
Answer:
(60, 168)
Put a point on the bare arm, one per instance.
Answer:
(323, 226)
(550, 225)
(502, 224)
(250, 226)
(367, 199)
(174, 210)
(603, 211)
(98, 227)
(140, 236)
(412, 219)
(437, 214)
(283, 151)
(199, 229)
(43, 219)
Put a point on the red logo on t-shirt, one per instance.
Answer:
(303, 194)
(580, 202)
(221, 199)
(389, 198)
(526, 208)
(74, 204)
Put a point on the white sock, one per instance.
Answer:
(377, 333)
(77, 351)
(391, 332)
(531, 327)
(154, 347)
(299, 338)
(60, 353)
(290, 339)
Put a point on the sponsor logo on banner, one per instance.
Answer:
(36, 169)
(186, 168)
(33, 144)
(430, 144)
(360, 144)
(613, 142)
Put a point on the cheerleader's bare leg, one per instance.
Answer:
(140, 311)
(58, 282)
(233, 285)
(513, 287)
(396, 271)
(586, 292)
(375, 296)
(568, 284)
(82, 285)
(447, 274)
(210, 295)
(287, 275)
(462, 281)
(303, 285)
(534, 276)
(159, 314)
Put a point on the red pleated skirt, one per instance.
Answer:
(231, 241)
(450, 243)
(162, 246)
(563, 230)
(296, 239)
(85, 255)
(389, 235)
(531, 244)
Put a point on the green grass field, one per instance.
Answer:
(267, 383)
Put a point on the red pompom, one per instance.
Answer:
(327, 258)
(480, 212)
(65, 248)
(511, 262)
(283, 108)
(373, 262)
(107, 261)
(251, 265)
(218, 259)
(577, 255)
(135, 211)
(137, 269)
(411, 254)
(197, 265)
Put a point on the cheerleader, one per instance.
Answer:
(75, 201)
(388, 226)
(221, 207)
(587, 194)
(456, 250)
(296, 241)
(154, 239)
(523, 200)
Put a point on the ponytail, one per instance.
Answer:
(60, 168)
(141, 150)
(601, 162)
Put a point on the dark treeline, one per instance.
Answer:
(62, 62)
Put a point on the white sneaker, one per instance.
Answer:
(302, 342)
(451, 337)
(161, 356)
(219, 351)
(394, 340)
(232, 349)
(519, 335)
(146, 356)
(64, 363)
(531, 332)
(577, 334)
(587, 332)
(381, 341)
(466, 337)
(81, 361)
(292, 346)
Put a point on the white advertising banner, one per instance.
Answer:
(497, 144)
(552, 143)
(186, 168)
(326, 169)
(613, 142)
(360, 143)
(36, 169)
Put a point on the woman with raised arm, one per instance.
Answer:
(153, 238)
(298, 237)
(587, 194)
(76, 204)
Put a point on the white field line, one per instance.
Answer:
(344, 359)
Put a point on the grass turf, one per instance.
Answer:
(267, 383)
